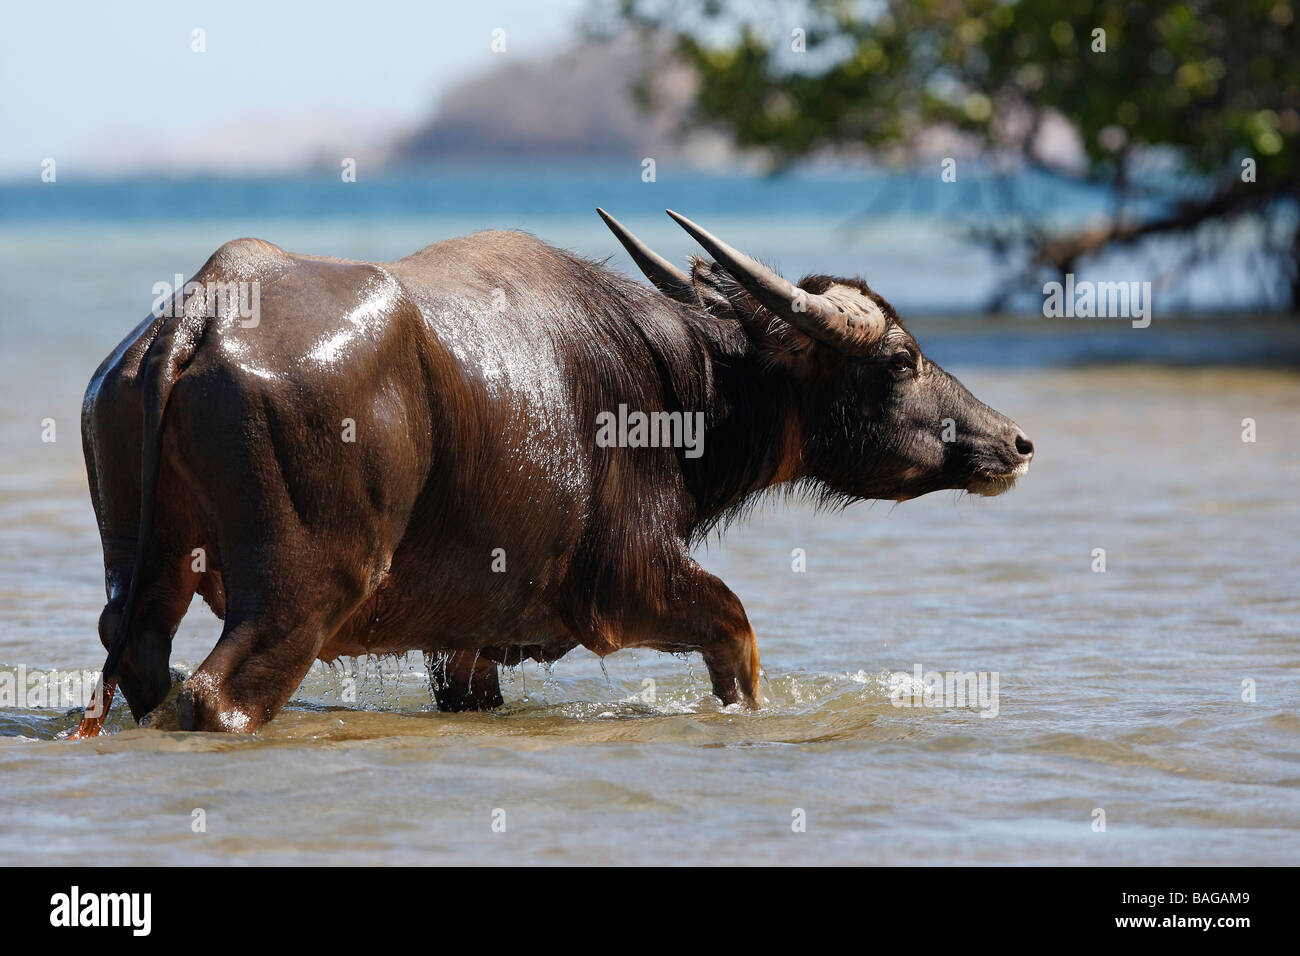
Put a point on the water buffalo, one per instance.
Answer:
(404, 455)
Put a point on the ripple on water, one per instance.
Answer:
(392, 700)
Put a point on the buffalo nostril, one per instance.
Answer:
(1024, 446)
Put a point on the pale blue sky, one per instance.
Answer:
(106, 87)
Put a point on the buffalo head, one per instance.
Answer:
(879, 420)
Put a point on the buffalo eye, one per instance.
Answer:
(902, 362)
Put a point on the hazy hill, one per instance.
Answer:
(576, 104)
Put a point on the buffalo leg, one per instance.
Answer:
(731, 650)
(715, 625)
(249, 676)
(273, 632)
(462, 680)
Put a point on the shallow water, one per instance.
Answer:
(1118, 691)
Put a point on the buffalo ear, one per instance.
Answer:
(842, 317)
(712, 286)
(776, 339)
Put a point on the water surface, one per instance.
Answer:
(1118, 691)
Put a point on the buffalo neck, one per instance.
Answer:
(752, 413)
